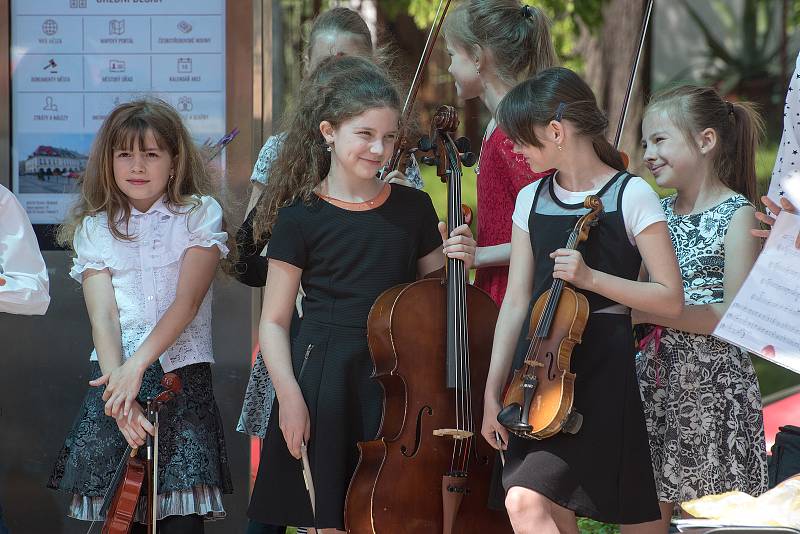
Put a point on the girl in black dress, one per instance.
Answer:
(347, 237)
(603, 471)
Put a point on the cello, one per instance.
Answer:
(430, 340)
(134, 473)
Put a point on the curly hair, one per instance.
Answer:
(338, 90)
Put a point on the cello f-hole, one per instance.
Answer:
(425, 410)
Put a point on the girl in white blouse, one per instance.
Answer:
(148, 239)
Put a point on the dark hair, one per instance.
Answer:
(341, 20)
(536, 101)
(518, 38)
(738, 126)
(339, 89)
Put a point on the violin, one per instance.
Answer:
(120, 510)
(538, 402)
(430, 341)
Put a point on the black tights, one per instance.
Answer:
(174, 524)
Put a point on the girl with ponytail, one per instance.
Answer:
(603, 471)
(493, 44)
(701, 397)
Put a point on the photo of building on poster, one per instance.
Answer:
(72, 63)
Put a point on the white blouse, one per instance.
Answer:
(784, 180)
(144, 272)
(26, 287)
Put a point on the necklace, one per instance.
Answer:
(363, 205)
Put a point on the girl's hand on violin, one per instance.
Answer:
(294, 422)
(570, 267)
(122, 387)
(397, 177)
(490, 428)
(460, 245)
(135, 427)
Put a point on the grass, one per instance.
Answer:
(771, 377)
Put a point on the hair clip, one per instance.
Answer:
(730, 107)
(527, 11)
(560, 111)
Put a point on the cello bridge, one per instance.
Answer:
(452, 433)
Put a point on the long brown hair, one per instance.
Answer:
(340, 20)
(517, 35)
(556, 93)
(739, 128)
(127, 125)
(339, 89)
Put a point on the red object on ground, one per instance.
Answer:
(782, 412)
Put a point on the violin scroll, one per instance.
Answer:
(593, 203)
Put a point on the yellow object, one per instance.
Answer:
(779, 507)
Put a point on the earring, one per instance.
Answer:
(477, 70)
(171, 178)
(560, 148)
(328, 148)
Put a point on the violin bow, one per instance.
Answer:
(309, 480)
(408, 105)
(634, 69)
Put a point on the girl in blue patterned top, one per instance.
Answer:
(701, 397)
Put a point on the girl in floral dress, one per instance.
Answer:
(701, 397)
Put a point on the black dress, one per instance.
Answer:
(348, 259)
(604, 471)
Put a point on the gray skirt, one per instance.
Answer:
(193, 462)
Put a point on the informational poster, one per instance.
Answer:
(73, 61)
(764, 317)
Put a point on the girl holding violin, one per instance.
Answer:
(493, 44)
(701, 397)
(148, 238)
(346, 236)
(602, 471)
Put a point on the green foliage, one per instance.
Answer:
(752, 55)
(567, 17)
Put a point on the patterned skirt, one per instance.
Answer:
(258, 398)
(193, 462)
(703, 413)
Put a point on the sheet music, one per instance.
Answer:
(764, 317)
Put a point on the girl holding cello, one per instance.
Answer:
(603, 471)
(347, 236)
(492, 45)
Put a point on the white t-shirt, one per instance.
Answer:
(640, 204)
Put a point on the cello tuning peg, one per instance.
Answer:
(468, 159)
(425, 144)
(462, 144)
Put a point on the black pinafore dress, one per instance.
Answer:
(604, 471)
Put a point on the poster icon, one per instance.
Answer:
(49, 105)
(116, 65)
(116, 27)
(184, 65)
(184, 26)
(50, 27)
(52, 66)
(185, 104)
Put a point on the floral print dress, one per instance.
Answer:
(700, 394)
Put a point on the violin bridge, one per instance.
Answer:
(534, 363)
(452, 433)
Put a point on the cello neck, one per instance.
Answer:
(457, 343)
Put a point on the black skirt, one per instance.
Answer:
(344, 405)
(604, 471)
(191, 443)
